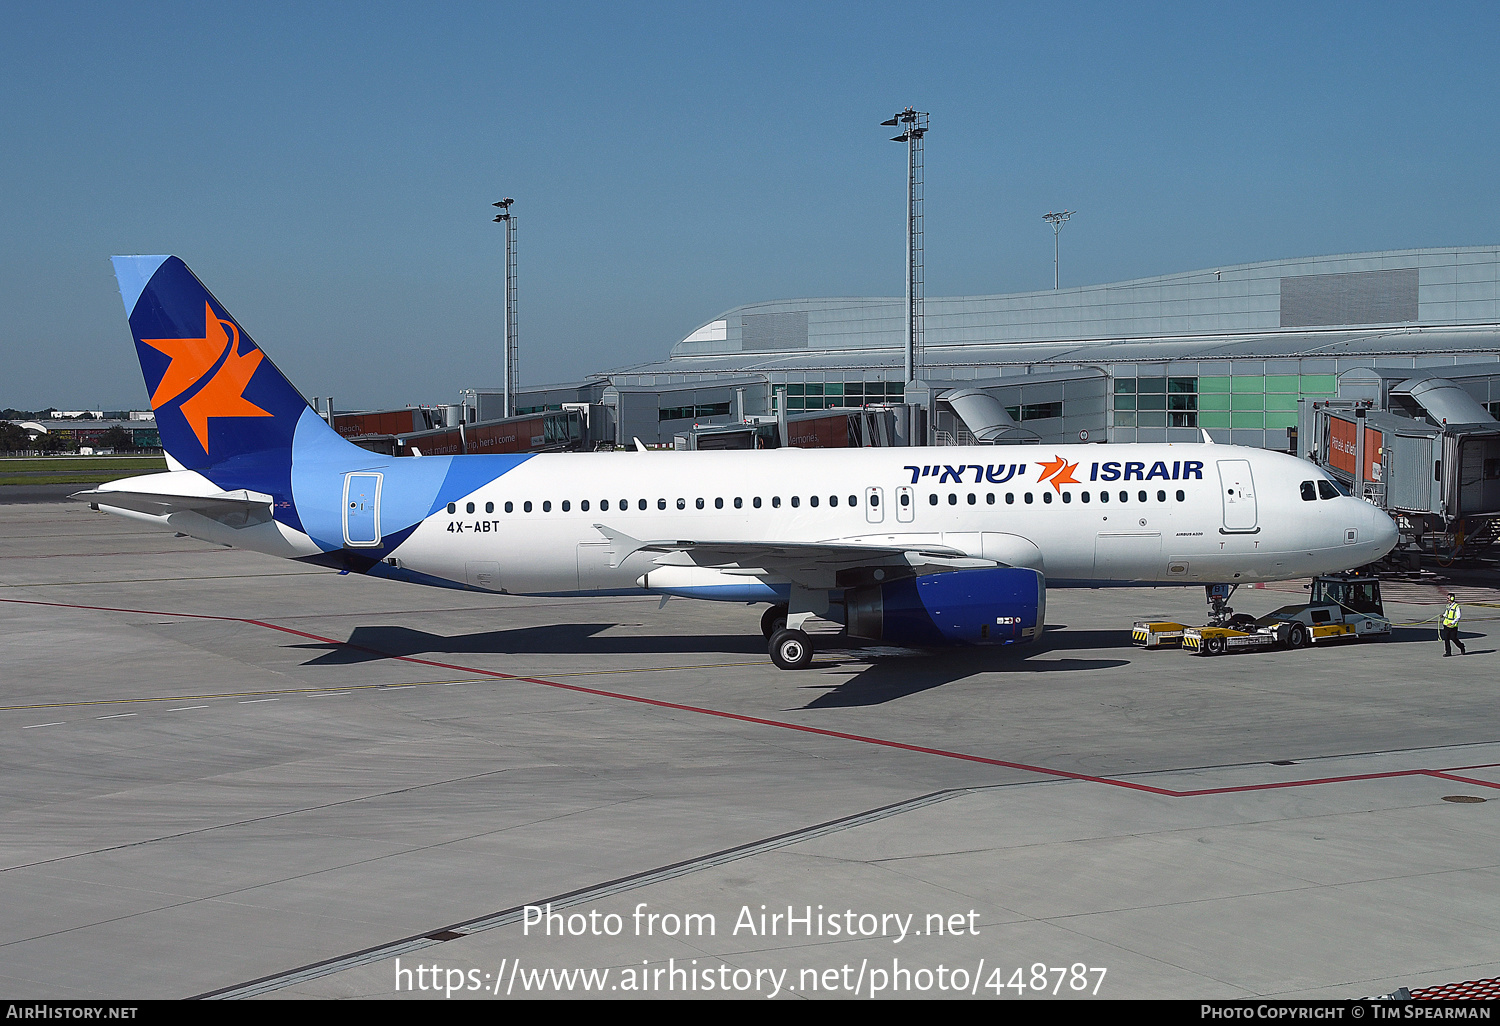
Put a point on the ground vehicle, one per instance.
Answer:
(1340, 606)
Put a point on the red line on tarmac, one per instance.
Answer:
(140, 552)
(882, 742)
(1461, 780)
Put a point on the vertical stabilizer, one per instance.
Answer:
(222, 408)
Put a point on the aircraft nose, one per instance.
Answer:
(1382, 530)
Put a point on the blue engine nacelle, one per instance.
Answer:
(994, 606)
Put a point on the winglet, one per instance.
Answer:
(640, 446)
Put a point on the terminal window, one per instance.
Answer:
(693, 412)
(1035, 411)
(830, 394)
(1266, 401)
(1156, 402)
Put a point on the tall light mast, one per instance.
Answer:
(915, 124)
(1056, 221)
(512, 353)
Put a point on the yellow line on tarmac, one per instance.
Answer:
(388, 685)
(652, 669)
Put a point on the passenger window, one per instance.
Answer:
(972, 498)
(661, 503)
(812, 500)
(1084, 496)
(1181, 497)
(1047, 498)
(510, 507)
(756, 502)
(1309, 493)
(796, 502)
(953, 498)
(1142, 496)
(718, 503)
(874, 499)
(1103, 496)
(738, 502)
(489, 507)
(1161, 496)
(469, 507)
(1326, 490)
(640, 504)
(526, 506)
(905, 499)
(989, 498)
(1028, 498)
(452, 507)
(932, 499)
(547, 506)
(775, 502)
(1124, 496)
(853, 500)
(1010, 498)
(1067, 496)
(682, 504)
(584, 505)
(604, 505)
(833, 500)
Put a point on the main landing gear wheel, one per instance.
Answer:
(791, 650)
(1296, 637)
(773, 620)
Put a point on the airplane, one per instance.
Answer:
(905, 546)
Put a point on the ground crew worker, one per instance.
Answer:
(1451, 616)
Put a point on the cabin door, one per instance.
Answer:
(1237, 489)
(362, 510)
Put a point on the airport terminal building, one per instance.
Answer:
(1227, 349)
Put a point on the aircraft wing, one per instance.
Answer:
(811, 564)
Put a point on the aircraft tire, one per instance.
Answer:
(773, 620)
(1215, 646)
(791, 650)
(1296, 637)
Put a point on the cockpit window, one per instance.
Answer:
(1309, 493)
(1326, 490)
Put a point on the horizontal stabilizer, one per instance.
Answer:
(245, 507)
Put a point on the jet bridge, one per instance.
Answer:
(1423, 449)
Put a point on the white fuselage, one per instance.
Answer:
(1121, 514)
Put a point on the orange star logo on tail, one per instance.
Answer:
(223, 394)
(1060, 471)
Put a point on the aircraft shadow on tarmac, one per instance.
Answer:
(367, 644)
(890, 674)
(893, 673)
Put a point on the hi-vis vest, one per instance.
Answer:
(1451, 614)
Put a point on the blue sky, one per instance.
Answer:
(328, 169)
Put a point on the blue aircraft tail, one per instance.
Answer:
(222, 407)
